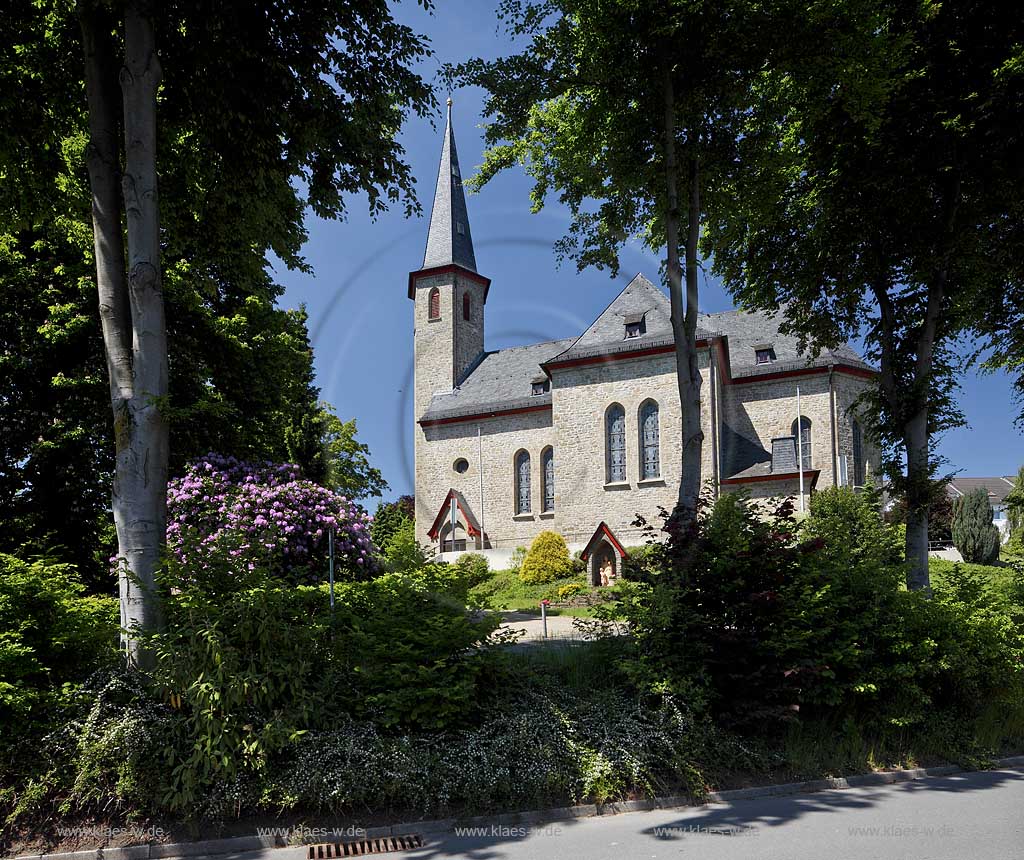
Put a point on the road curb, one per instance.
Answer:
(247, 844)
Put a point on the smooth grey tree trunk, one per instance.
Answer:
(684, 320)
(130, 301)
(140, 481)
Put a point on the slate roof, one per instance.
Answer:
(500, 380)
(446, 242)
(997, 488)
(640, 300)
(748, 331)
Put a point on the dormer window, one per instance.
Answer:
(764, 354)
(541, 386)
(635, 326)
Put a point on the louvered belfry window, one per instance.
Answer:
(434, 306)
(523, 482)
(616, 444)
(651, 465)
(548, 462)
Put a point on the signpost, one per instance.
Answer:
(544, 615)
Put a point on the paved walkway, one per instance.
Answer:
(532, 628)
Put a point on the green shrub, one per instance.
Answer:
(974, 535)
(50, 636)
(474, 567)
(570, 590)
(776, 623)
(547, 560)
(515, 562)
(251, 667)
(405, 554)
(389, 519)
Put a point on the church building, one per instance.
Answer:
(580, 435)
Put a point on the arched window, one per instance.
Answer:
(616, 443)
(523, 482)
(434, 304)
(858, 455)
(650, 459)
(465, 306)
(547, 462)
(803, 440)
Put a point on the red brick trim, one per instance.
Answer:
(447, 270)
(602, 531)
(615, 356)
(476, 416)
(435, 529)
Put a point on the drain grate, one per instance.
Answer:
(329, 850)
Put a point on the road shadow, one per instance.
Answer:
(689, 825)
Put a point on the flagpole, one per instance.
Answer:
(800, 448)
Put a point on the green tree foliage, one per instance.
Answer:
(850, 528)
(1015, 506)
(768, 624)
(974, 535)
(347, 460)
(390, 517)
(311, 122)
(405, 554)
(627, 113)
(50, 636)
(878, 192)
(547, 559)
(940, 513)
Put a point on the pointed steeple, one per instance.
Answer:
(449, 240)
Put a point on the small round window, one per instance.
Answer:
(461, 465)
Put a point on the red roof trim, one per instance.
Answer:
(615, 356)
(811, 474)
(603, 531)
(444, 512)
(446, 270)
(455, 419)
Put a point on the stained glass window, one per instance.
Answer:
(650, 465)
(548, 462)
(804, 440)
(522, 482)
(858, 456)
(616, 444)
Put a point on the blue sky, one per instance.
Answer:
(360, 317)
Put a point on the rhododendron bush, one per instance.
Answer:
(266, 515)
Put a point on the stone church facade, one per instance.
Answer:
(580, 435)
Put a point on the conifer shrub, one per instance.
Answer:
(974, 535)
(547, 560)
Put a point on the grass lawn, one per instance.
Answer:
(503, 589)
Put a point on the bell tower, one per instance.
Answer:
(448, 292)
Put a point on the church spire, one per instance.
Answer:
(449, 240)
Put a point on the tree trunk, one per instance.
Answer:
(141, 428)
(684, 321)
(918, 499)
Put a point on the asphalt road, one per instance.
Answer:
(970, 816)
